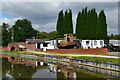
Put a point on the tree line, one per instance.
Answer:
(114, 37)
(89, 25)
(21, 31)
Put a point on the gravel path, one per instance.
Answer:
(75, 55)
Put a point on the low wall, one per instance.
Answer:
(4, 48)
(88, 51)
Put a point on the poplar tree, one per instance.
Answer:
(86, 24)
(81, 25)
(60, 27)
(78, 22)
(92, 24)
(101, 32)
(64, 23)
(70, 23)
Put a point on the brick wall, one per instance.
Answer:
(88, 51)
(16, 45)
(4, 48)
(31, 46)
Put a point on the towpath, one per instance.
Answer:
(75, 55)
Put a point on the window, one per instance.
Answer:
(45, 44)
(101, 42)
(52, 42)
(38, 45)
(87, 42)
(95, 42)
(68, 39)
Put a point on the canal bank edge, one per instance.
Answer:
(68, 60)
(99, 58)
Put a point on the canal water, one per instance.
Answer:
(18, 68)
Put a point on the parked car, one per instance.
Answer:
(111, 47)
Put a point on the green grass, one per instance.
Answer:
(21, 52)
(74, 53)
(25, 52)
(99, 59)
(90, 75)
(82, 54)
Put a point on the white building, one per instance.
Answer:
(86, 44)
(44, 44)
(48, 44)
(115, 42)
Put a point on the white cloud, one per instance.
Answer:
(59, 0)
(43, 27)
(9, 21)
(51, 26)
(112, 20)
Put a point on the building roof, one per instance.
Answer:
(114, 41)
(28, 46)
(33, 41)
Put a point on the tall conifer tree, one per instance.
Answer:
(101, 32)
(81, 24)
(78, 22)
(68, 25)
(60, 27)
(70, 22)
(92, 23)
(64, 23)
(86, 23)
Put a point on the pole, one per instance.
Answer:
(12, 35)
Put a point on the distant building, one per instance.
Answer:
(44, 44)
(86, 44)
(34, 41)
(48, 44)
(115, 42)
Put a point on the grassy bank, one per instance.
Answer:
(81, 54)
(21, 52)
(99, 59)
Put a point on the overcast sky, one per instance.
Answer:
(44, 14)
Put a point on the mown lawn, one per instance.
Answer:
(99, 59)
(21, 52)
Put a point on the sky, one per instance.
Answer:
(43, 15)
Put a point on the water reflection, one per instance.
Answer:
(16, 68)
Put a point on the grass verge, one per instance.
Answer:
(22, 52)
(82, 54)
(99, 59)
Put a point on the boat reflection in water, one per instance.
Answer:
(13, 67)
